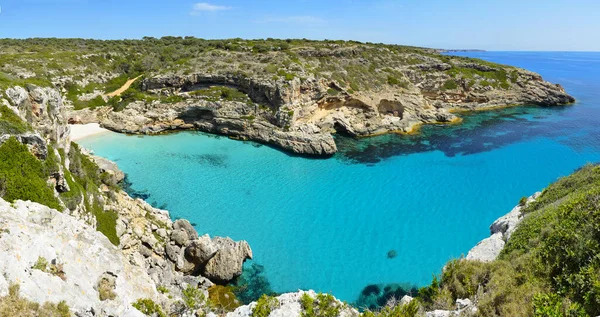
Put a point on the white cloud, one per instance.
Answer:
(207, 7)
(301, 19)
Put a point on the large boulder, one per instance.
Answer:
(227, 263)
(201, 250)
(183, 224)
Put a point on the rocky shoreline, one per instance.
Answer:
(301, 114)
(107, 254)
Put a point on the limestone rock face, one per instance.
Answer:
(30, 231)
(227, 262)
(44, 110)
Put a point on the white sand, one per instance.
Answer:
(80, 131)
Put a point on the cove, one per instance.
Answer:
(328, 224)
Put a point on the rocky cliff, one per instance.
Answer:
(293, 94)
(301, 114)
(83, 240)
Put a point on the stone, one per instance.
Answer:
(180, 237)
(306, 115)
(110, 168)
(201, 250)
(463, 303)
(173, 252)
(187, 227)
(488, 249)
(405, 300)
(227, 263)
(145, 251)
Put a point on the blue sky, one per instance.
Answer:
(486, 24)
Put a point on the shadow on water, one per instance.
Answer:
(252, 284)
(375, 296)
(128, 187)
(480, 131)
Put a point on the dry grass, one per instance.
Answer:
(15, 305)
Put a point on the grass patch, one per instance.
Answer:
(15, 305)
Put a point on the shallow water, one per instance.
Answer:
(328, 224)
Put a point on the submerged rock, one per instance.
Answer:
(392, 254)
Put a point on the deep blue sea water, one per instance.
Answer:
(329, 224)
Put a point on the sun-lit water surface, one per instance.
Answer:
(329, 224)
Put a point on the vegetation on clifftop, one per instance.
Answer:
(86, 69)
(550, 265)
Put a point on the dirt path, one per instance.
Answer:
(123, 88)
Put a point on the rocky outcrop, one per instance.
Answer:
(300, 115)
(43, 109)
(226, 263)
(488, 249)
(78, 257)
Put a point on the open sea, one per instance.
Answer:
(329, 224)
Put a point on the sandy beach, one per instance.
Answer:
(80, 131)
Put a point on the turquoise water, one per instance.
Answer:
(328, 224)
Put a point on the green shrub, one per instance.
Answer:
(523, 201)
(333, 92)
(106, 223)
(393, 81)
(193, 298)
(23, 176)
(272, 69)
(264, 306)
(11, 123)
(324, 305)
(149, 307)
(450, 85)
(409, 310)
(41, 264)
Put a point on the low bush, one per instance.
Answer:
(23, 176)
(148, 307)
(10, 122)
(264, 306)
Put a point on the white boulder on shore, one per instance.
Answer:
(489, 249)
